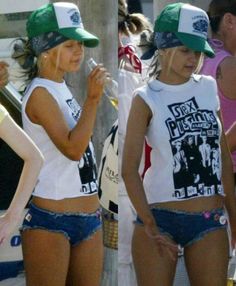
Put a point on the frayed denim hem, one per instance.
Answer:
(202, 234)
(24, 228)
(89, 235)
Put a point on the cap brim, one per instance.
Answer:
(148, 54)
(195, 43)
(80, 35)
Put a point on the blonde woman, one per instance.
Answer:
(176, 104)
(61, 234)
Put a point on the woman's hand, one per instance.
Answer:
(96, 82)
(7, 226)
(3, 74)
(163, 243)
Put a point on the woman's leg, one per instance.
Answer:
(151, 268)
(86, 262)
(207, 259)
(46, 257)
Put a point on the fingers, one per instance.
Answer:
(103, 78)
(3, 74)
(166, 247)
(3, 79)
(100, 75)
(3, 64)
(163, 243)
(151, 231)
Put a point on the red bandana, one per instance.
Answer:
(132, 56)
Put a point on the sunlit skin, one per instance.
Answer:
(42, 109)
(66, 57)
(178, 64)
(149, 245)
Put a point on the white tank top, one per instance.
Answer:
(184, 134)
(60, 177)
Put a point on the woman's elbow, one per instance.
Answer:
(37, 158)
(73, 154)
(34, 159)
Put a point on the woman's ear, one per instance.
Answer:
(44, 55)
(161, 52)
(229, 21)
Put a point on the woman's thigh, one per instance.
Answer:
(86, 262)
(151, 268)
(207, 259)
(46, 257)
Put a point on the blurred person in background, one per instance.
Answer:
(231, 137)
(130, 69)
(222, 15)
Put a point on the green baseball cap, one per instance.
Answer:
(61, 17)
(188, 23)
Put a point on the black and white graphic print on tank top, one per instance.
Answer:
(194, 140)
(87, 165)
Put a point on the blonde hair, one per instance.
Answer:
(26, 58)
(28, 61)
(155, 66)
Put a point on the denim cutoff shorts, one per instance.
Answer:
(185, 228)
(76, 227)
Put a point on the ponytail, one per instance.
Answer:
(26, 58)
(133, 23)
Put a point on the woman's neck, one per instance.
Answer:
(51, 72)
(228, 45)
(52, 76)
(166, 78)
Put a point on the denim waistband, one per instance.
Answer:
(35, 208)
(185, 227)
(200, 213)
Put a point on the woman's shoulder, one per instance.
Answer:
(204, 79)
(49, 86)
(148, 87)
(43, 82)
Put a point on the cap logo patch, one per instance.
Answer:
(75, 18)
(200, 26)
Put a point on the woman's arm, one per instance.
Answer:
(139, 118)
(228, 184)
(231, 137)
(43, 109)
(138, 121)
(226, 77)
(17, 139)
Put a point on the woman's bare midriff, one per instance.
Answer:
(79, 204)
(194, 205)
